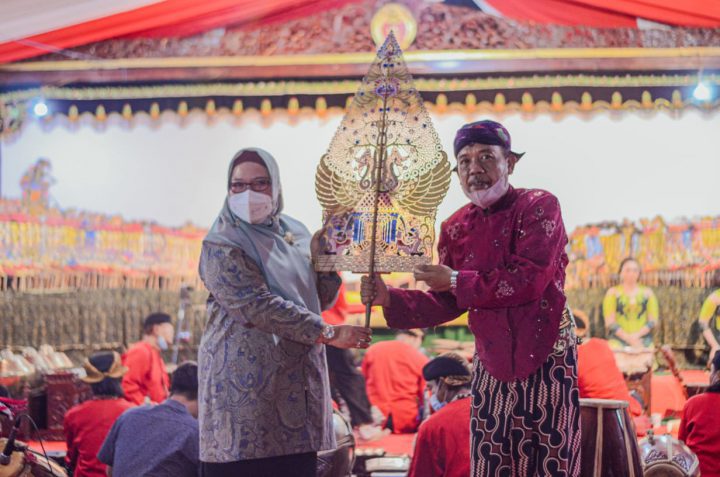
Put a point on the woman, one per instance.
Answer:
(87, 424)
(710, 321)
(630, 309)
(264, 396)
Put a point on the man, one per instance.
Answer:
(502, 259)
(442, 446)
(147, 379)
(346, 382)
(87, 424)
(598, 374)
(159, 440)
(393, 371)
(600, 378)
(700, 425)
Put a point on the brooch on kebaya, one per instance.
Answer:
(289, 238)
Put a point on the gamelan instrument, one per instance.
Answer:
(339, 461)
(665, 456)
(608, 444)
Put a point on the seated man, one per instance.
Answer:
(393, 372)
(442, 447)
(158, 440)
(147, 379)
(700, 425)
(87, 424)
(599, 376)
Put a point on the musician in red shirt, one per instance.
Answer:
(700, 425)
(147, 378)
(393, 372)
(442, 446)
(599, 376)
(87, 424)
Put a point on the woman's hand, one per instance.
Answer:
(349, 336)
(713, 350)
(374, 291)
(635, 342)
(436, 276)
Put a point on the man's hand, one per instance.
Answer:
(436, 276)
(315, 243)
(373, 290)
(349, 336)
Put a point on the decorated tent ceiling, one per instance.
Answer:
(35, 28)
(290, 55)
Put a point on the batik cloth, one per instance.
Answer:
(528, 427)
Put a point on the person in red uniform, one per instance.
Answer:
(87, 424)
(442, 446)
(599, 376)
(393, 371)
(700, 425)
(147, 378)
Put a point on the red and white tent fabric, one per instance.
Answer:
(35, 27)
(611, 13)
(31, 28)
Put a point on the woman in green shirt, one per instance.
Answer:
(710, 322)
(630, 309)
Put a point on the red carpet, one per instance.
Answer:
(395, 444)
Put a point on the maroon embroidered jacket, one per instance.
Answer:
(511, 258)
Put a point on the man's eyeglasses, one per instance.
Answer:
(257, 185)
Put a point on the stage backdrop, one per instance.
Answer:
(603, 166)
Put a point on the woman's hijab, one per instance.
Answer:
(280, 247)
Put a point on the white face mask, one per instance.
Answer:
(436, 404)
(250, 206)
(162, 343)
(486, 197)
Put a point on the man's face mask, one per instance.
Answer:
(435, 403)
(162, 343)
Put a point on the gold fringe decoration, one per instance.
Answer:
(293, 106)
(100, 113)
(266, 107)
(237, 107)
(210, 109)
(155, 111)
(73, 113)
(127, 113)
(182, 109)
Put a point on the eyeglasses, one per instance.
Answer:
(257, 185)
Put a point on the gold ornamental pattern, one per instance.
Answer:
(385, 170)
